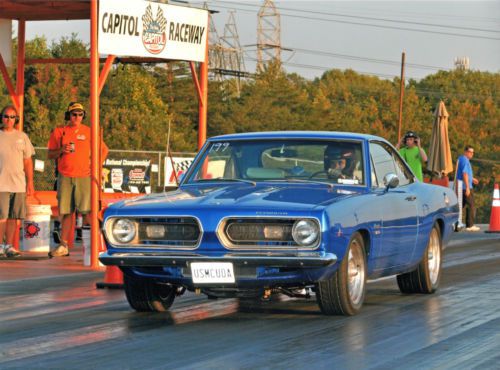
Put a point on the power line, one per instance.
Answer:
(365, 59)
(322, 68)
(369, 25)
(373, 18)
(418, 91)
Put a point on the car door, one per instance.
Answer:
(399, 220)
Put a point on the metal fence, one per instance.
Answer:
(45, 174)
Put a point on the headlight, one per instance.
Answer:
(123, 230)
(305, 232)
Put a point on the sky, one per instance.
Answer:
(366, 36)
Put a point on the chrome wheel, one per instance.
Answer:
(425, 278)
(344, 292)
(434, 256)
(356, 273)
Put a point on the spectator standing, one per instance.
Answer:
(16, 178)
(71, 146)
(413, 153)
(464, 173)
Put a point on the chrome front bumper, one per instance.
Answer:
(267, 259)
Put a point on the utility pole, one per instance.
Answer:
(268, 35)
(401, 94)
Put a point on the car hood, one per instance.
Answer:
(299, 197)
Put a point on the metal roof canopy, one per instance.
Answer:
(33, 10)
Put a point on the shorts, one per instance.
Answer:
(73, 193)
(12, 206)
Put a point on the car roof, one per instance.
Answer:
(297, 135)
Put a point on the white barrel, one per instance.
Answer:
(36, 228)
(86, 246)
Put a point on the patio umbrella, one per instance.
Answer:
(439, 152)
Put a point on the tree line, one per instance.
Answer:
(144, 105)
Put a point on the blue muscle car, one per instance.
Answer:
(283, 212)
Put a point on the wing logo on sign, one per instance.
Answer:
(154, 35)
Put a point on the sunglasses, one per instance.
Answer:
(77, 114)
(9, 117)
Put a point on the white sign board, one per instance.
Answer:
(6, 41)
(149, 29)
(181, 166)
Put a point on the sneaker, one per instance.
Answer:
(61, 251)
(2, 250)
(56, 236)
(472, 228)
(10, 251)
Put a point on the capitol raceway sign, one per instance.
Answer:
(148, 29)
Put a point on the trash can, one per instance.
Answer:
(36, 228)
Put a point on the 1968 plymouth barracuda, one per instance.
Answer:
(297, 213)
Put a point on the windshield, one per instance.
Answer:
(337, 162)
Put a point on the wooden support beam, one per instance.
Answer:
(8, 83)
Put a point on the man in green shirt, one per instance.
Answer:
(413, 153)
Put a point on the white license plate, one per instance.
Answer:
(212, 272)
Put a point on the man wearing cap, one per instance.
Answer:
(71, 146)
(413, 153)
(16, 178)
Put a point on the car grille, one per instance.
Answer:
(257, 233)
(173, 232)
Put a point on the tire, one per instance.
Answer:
(344, 293)
(148, 296)
(425, 278)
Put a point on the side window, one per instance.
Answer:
(383, 163)
(404, 174)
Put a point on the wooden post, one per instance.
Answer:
(203, 104)
(21, 40)
(401, 94)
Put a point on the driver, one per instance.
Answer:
(339, 162)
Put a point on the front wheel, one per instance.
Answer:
(146, 296)
(344, 293)
(425, 278)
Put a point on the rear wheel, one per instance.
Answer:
(425, 278)
(344, 292)
(145, 295)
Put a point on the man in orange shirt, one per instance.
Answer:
(71, 146)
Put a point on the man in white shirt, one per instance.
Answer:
(16, 178)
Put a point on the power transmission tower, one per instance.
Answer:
(215, 51)
(268, 35)
(225, 54)
(233, 53)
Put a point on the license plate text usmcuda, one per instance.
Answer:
(212, 272)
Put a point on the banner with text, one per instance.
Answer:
(127, 176)
(149, 29)
(181, 165)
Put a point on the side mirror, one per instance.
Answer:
(391, 181)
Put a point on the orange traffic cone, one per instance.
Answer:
(113, 278)
(495, 212)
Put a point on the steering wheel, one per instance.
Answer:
(318, 173)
